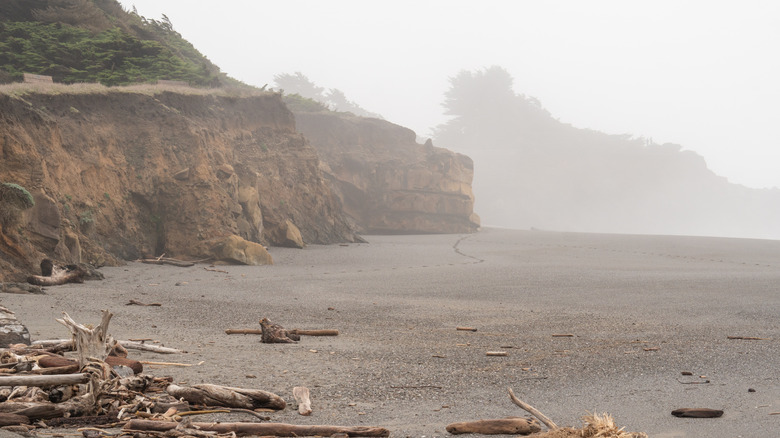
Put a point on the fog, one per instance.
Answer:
(695, 76)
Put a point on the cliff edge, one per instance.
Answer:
(133, 172)
(387, 182)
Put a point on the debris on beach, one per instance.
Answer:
(697, 413)
(55, 274)
(601, 426)
(276, 334)
(101, 388)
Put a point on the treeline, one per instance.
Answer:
(532, 170)
(96, 41)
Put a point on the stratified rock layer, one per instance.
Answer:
(129, 174)
(388, 182)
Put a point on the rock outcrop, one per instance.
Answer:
(387, 182)
(128, 173)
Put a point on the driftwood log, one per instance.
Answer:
(76, 406)
(59, 276)
(262, 429)
(61, 362)
(510, 425)
(301, 394)
(168, 261)
(300, 332)
(7, 419)
(216, 395)
(131, 345)
(697, 413)
(44, 381)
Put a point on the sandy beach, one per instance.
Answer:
(641, 309)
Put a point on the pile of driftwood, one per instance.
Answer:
(97, 387)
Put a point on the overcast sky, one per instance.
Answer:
(702, 74)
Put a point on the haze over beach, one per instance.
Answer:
(698, 74)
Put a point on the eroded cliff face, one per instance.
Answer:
(387, 182)
(123, 174)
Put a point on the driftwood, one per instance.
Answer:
(76, 406)
(65, 344)
(466, 329)
(509, 425)
(496, 353)
(59, 276)
(44, 381)
(301, 394)
(146, 347)
(262, 429)
(168, 261)
(601, 426)
(63, 362)
(7, 419)
(20, 288)
(215, 395)
(138, 303)
(697, 413)
(533, 411)
(300, 332)
(323, 332)
(90, 344)
(65, 369)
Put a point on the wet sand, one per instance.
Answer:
(641, 309)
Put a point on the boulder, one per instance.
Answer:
(287, 235)
(11, 330)
(236, 250)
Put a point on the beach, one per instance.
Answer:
(589, 323)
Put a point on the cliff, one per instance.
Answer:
(387, 182)
(146, 171)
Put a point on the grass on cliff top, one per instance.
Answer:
(18, 89)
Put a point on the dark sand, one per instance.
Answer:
(400, 363)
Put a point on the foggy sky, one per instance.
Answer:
(702, 74)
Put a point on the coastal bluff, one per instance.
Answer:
(124, 173)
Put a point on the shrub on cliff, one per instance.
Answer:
(13, 199)
(86, 41)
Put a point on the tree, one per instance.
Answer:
(334, 99)
(299, 84)
(487, 111)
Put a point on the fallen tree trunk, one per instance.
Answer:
(44, 381)
(215, 395)
(262, 429)
(510, 425)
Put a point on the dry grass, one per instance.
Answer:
(19, 89)
(596, 426)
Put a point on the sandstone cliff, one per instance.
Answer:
(387, 182)
(141, 172)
